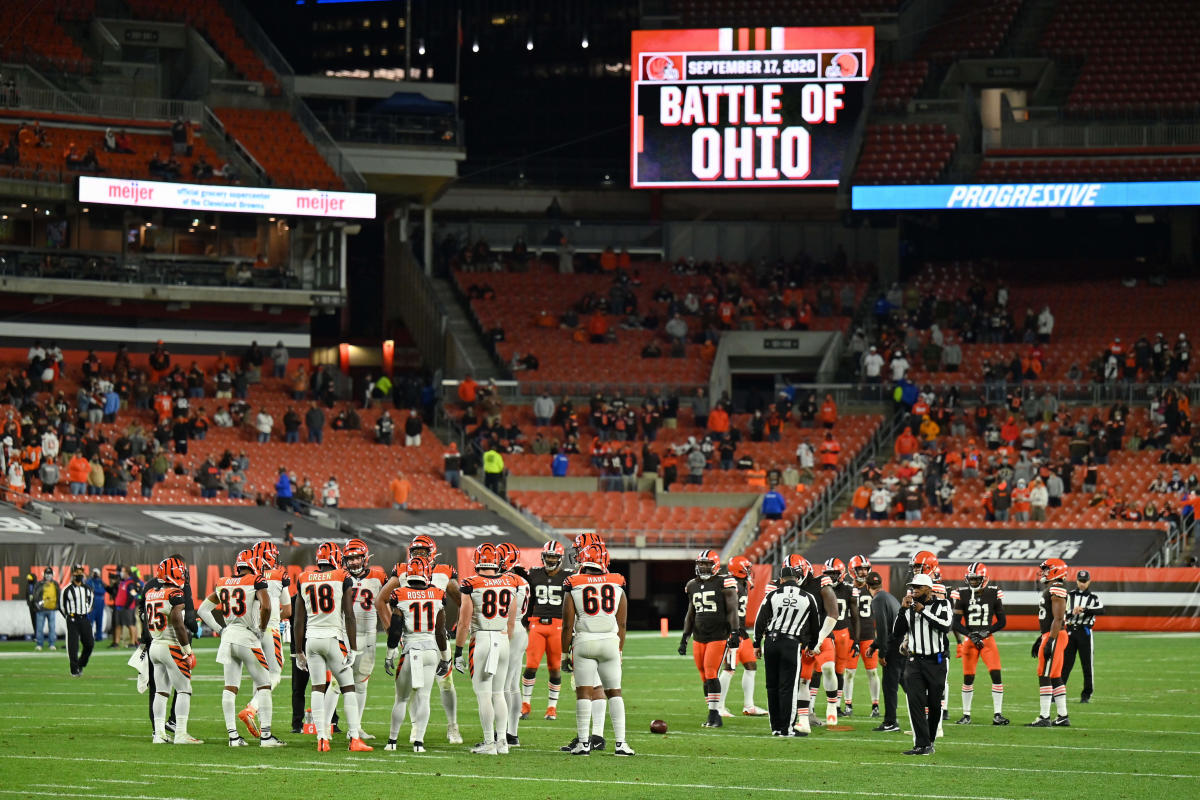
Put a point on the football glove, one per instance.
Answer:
(350, 657)
(302, 661)
(389, 663)
(855, 649)
(958, 651)
(683, 646)
(735, 641)
(977, 639)
(460, 664)
(443, 668)
(1033, 651)
(568, 664)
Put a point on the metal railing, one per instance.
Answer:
(107, 106)
(214, 132)
(1086, 135)
(396, 129)
(821, 511)
(257, 38)
(326, 146)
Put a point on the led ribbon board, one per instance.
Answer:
(1026, 195)
(238, 199)
(746, 106)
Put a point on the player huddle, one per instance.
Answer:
(576, 619)
(842, 635)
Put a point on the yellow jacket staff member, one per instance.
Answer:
(493, 470)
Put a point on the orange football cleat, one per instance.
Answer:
(322, 745)
(551, 712)
(359, 746)
(249, 716)
(525, 709)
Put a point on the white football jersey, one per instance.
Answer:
(420, 609)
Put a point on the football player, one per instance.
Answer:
(488, 615)
(1050, 645)
(280, 594)
(171, 655)
(325, 622)
(445, 577)
(739, 568)
(517, 641)
(599, 699)
(419, 607)
(979, 613)
(367, 587)
(860, 567)
(240, 610)
(545, 627)
(845, 630)
(593, 637)
(712, 624)
(823, 660)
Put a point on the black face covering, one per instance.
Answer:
(77, 579)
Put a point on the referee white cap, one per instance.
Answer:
(921, 579)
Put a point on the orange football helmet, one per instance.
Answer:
(355, 556)
(977, 575)
(924, 562)
(173, 571)
(423, 542)
(1053, 569)
(329, 554)
(593, 556)
(859, 567)
(419, 571)
(552, 554)
(509, 555)
(487, 556)
(708, 563)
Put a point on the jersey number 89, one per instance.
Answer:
(495, 603)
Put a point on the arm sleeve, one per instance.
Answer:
(811, 635)
(960, 619)
(938, 615)
(1001, 619)
(395, 631)
(765, 612)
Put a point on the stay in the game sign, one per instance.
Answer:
(746, 106)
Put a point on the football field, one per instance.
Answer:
(90, 737)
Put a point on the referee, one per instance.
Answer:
(76, 607)
(788, 620)
(925, 620)
(1082, 609)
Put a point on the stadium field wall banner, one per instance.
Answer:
(1136, 597)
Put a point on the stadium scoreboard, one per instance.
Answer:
(747, 107)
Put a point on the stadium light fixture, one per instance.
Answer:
(529, 43)
(420, 47)
(584, 43)
(475, 45)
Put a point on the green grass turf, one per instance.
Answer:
(90, 736)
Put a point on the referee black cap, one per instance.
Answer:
(1083, 575)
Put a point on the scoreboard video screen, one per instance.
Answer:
(734, 107)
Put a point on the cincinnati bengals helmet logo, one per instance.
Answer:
(661, 68)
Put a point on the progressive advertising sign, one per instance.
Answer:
(994, 196)
(748, 107)
(237, 199)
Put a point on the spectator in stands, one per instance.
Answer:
(1002, 501)
(77, 474)
(279, 360)
(235, 482)
(209, 478)
(906, 445)
(291, 426)
(914, 500)
(48, 473)
(123, 143)
(677, 329)
(110, 140)
(384, 428)
(452, 465)
(299, 383)
(696, 464)
(284, 498)
(493, 470)
(222, 419)
(201, 169)
(543, 409)
(773, 505)
(252, 361)
(558, 464)
(412, 429)
(305, 493)
(828, 414)
(880, 503)
(399, 489)
(159, 168)
(179, 138)
(331, 495)
(872, 366)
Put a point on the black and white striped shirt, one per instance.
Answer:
(77, 600)
(927, 629)
(1090, 604)
(787, 611)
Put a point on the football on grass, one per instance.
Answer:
(658, 726)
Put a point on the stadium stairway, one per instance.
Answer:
(458, 321)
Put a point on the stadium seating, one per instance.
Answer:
(899, 83)
(1081, 167)
(280, 146)
(969, 29)
(48, 163)
(40, 39)
(210, 18)
(904, 153)
(1120, 42)
(522, 297)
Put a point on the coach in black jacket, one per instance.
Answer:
(885, 608)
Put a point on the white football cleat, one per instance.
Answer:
(724, 712)
(501, 748)
(271, 741)
(418, 747)
(622, 749)
(484, 749)
(366, 737)
(452, 734)
(754, 711)
(390, 746)
(802, 728)
(238, 742)
(185, 739)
